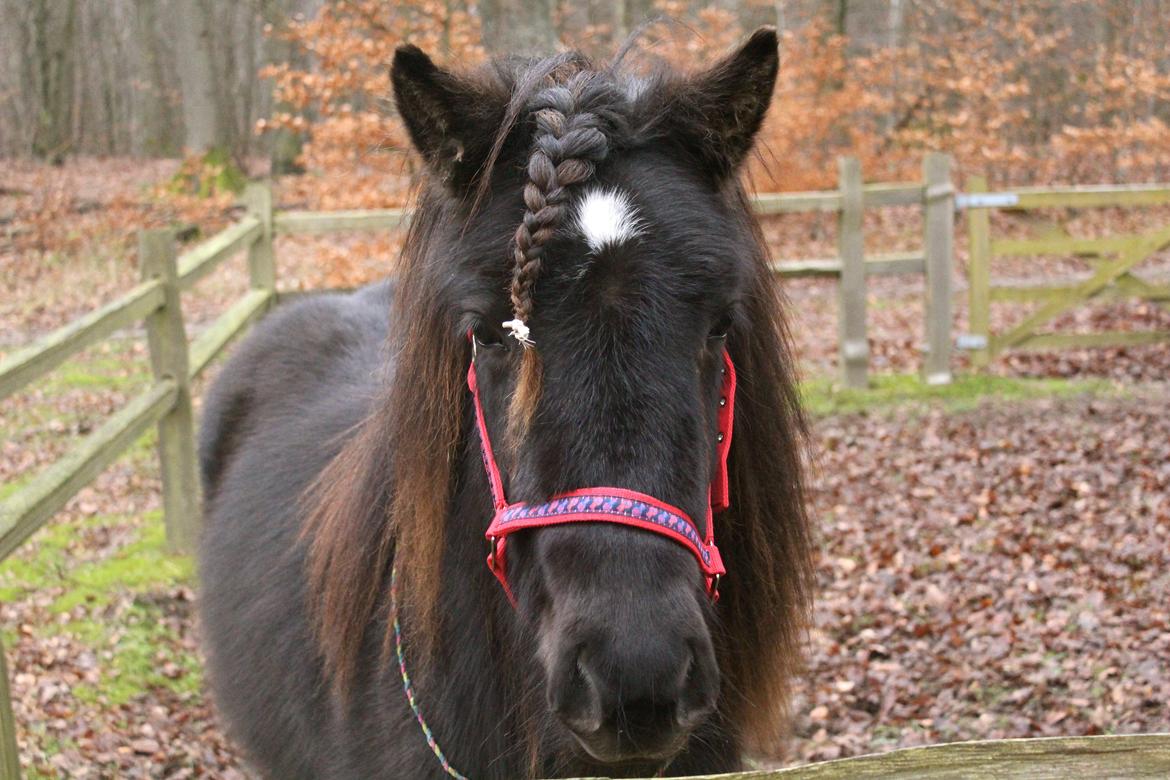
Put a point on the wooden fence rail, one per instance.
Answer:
(1050, 758)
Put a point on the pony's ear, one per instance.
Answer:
(719, 111)
(451, 119)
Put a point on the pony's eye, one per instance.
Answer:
(488, 337)
(721, 326)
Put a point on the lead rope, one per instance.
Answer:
(407, 687)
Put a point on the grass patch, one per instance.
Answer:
(20, 576)
(9, 488)
(118, 370)
(122, 605)
(141, 566)
(823, 397)
(141, 652)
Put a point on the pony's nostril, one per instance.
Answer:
(697, 695)
(578, 703)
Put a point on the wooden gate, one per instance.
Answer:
(1113, 260)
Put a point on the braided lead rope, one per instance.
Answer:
(407, 687)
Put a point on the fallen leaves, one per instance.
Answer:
(1006, 601)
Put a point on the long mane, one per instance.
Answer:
(765, 536)
(386, 496)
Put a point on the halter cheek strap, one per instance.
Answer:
(609, 504)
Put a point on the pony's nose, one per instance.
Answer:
(637, 698)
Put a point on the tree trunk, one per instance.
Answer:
(54, 26)
(159, 129)
(205, 129)
(522, 27)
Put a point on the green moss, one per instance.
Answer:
(50, 746)
(140, 648)
(208, 175)
(142, 565)
(823, 397)
(9, 488)
(118, 370)
(21, 575)
(145, 654)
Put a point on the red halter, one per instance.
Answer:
(611, 505)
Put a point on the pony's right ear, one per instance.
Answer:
(450, 119)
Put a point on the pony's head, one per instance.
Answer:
(586, 226)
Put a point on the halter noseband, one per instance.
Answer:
(609, 504)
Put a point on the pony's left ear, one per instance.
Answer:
(450, 118)
(719, 111)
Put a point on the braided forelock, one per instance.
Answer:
(571, 122)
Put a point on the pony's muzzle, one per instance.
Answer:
(636, 699)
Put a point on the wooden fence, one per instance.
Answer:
(936, 196)
(1112, 258)
(156, 303)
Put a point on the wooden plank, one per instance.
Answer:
(331, 221)
(854, 345)
(895, 264)
(41, 357)
(9, 755)
(873, 195)
(261, 255)
(1048, 758)
(1093, 196)
(891, 264)
(1057, 245)
(939, 228)
(227, 326)
(979, 276)
(169, 360)
(292, 296)
(206, 257)
(1117, 338)
(896, 194)
(1054, 758)
(1126, 287)
(819, 267)
(30, 507)
(1106, 273)
(790, 202)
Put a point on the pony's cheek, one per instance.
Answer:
(524, 577)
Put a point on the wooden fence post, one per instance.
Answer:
(939, 241)
(261, 257)
(979, 277)
(9, 757)
(168, 358)
(853, 342)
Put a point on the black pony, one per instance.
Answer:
(581, 231)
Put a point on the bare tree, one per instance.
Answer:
(206, 128)
(518, 26)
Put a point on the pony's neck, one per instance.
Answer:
(479, 694)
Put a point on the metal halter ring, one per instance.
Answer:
(492, 551)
